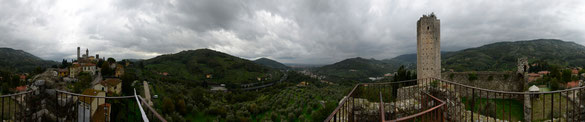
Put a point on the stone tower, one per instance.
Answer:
(87, 53)
(523, 65)
(78, 49)
(428, 47)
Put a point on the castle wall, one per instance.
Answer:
(499, 81)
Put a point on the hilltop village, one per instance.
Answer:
(85, 75)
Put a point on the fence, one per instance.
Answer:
(63, 106)
(438, 99)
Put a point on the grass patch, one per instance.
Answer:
(541, 106)
(499, 108)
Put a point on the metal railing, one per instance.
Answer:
(57, 105)
(433, 107)
(360, 104)
(415, 100)
(81, 107)
(12, 106)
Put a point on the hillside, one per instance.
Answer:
(408, 60)
(21, 61)
(194, 65)
(357, 68)
(271, 63)
(503, 55)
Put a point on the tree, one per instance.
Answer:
(111, 60)
(106, 70)
(168, 105)
(127, 80)
(181, 107)
(84, 82)
(566, 76)
(64, 63)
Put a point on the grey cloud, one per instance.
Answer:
(292, 31)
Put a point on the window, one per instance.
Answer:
(427, 27)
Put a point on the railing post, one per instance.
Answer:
(552, 107)
(472, 103)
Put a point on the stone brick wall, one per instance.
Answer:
(499, 81)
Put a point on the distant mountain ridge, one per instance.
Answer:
(195, 65)
(271, 63)
(501, 56)
(21, 61)
(357, 68)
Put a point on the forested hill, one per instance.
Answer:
(503, 55)
(20, 61)
(357, 68)
(271, 63)
(195, 65)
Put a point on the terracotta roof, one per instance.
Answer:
(20, 88)
(544, 72)
(572, 84)
(90, 92)
(533, 75)
(111, 82)
(100, 112)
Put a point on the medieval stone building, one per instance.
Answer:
(428, 51)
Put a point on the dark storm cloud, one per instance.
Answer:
(293, 31)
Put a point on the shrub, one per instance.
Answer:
(472, 77)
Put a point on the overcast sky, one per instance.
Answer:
(290, 31)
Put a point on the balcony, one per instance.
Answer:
(56, 105)
(434, 99)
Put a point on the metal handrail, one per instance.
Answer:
(571, 109)
(140, 100)
(339, 107)
(152, 110)
(83, 95)
(509, 92)
(424, 112)
(20, 93)
(382, 115)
